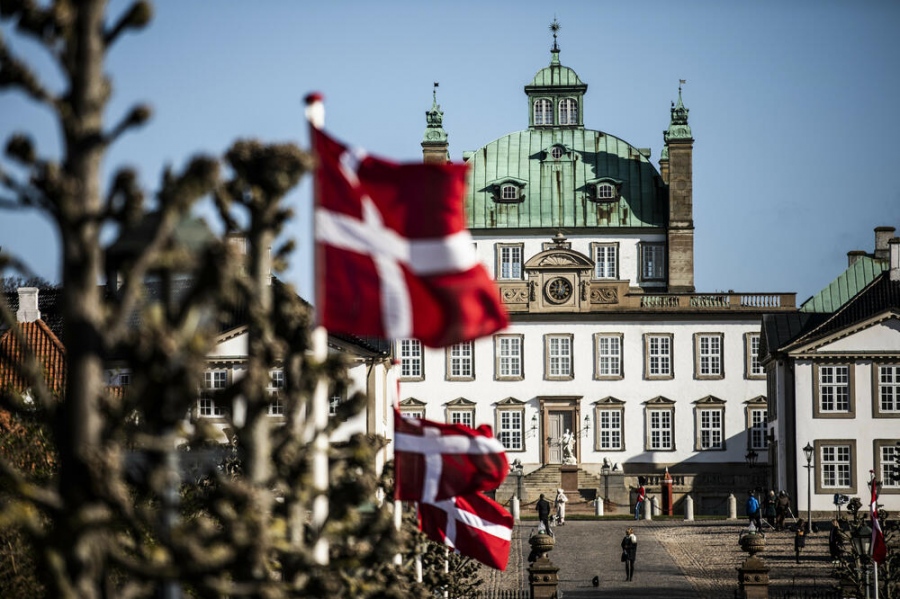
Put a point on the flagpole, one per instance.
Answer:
(315, 115)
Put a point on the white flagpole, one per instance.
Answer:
(315, 115)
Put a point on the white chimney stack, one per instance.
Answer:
(894, 245)
(28, 305)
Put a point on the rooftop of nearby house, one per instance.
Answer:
(31, 337)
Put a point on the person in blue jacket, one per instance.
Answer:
(753, 510)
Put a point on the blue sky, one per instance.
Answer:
(793, 105)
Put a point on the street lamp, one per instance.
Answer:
(808, 452)
(604, 470)
(862, 543)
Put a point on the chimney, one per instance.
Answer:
(28, 305)
(882, 236)
(894, 245)
(853, 256)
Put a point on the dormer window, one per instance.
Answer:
(568, 112)
(543, 112)
(508, 190)
(604, 190)
(557, 152)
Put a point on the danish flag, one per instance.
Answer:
(444, 467)
(394, 258)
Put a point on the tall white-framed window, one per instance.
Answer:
(509, 262)
(887, 454)
(887, 382)
(543, 112)
(568, 112)
(461, 361)
(411, 358)
(835, 465)
(710, 428)
(608, 352)
(660, 427)
(653, 262)
(409, 407)
(658, 356)
(510, 428)
(508, 357)
(609, 425)
(276, 384)
(213, 381)
(759, 428)
(606, 260)
(558, 357)
(708, 356)
(833, 384)
(752, 368)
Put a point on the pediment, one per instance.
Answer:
(609, 401)
(460, 402)
(759, 400)
(872, 337)
(510, 401)
(559, 259)
(659, 400)
(710, 400)
(411, 402)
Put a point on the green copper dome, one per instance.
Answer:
(556, 75)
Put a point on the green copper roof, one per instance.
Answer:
(557, 192)
(678, 122)
(846, 286)
(556, 75)
(434, 130)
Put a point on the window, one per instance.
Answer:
(606, 192)
(833, 391)
(609, 423)
(888, 384)
(509, 262)
(653, 262)
(606, 259)
(708, 356)
(213, 380)
(608, 349)
(461, 361)
(509, 429)
(759, 428)
(276, 382)
(658, 356)
(887, 458)
(568, 112)
(659, 437)
(410, 353)
(508, 358)
(543, 112)
(752, 367)
(276, 407)
(509, 193)
(461, 411)
(558, 357)
(334, 400)
(276, 379)
(835, 466)
(409, 407)
(124, 378)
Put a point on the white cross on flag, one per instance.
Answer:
(444, 467)
(394, 258)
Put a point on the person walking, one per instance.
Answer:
(543, 510)
(835, 541)
(799, 538)
(782, 509)
(629, 552)
(753, 510)
(561, 500)
(641, 496)
(769, 509)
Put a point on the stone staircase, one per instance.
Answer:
(546, 480)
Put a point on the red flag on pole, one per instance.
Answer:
(879, 549)
(394, 257)
(444, 467)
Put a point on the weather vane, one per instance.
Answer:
(555, 27)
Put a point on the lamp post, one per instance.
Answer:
(751, 458)
(808, 452)
(862, 543)
(604, 470)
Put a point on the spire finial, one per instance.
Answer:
(555, 27)
(434, 94)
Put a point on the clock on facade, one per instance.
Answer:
(558, 290)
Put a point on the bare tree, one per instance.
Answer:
(97, 530)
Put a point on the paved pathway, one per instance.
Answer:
(675, 559)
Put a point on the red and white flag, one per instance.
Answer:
(444, 467)
(393, 255)
(439, 461)
(879, 548)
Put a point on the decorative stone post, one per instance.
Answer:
(732, 507)
(514, 508)
(543, 576)
(753, 574)
(647, 508)
(688, 508)
(668, 498)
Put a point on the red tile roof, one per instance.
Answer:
(44, 344)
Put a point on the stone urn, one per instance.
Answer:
(541, 545)
(753, 542)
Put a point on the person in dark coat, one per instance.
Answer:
(629, 552)
(543, 510)
(769, 508)
(799, 538)
(835, 541)
(782, 509)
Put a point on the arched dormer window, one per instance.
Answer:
(543, 112)
(568, 112)
(509, 193)
(508, 190)
(604, 189)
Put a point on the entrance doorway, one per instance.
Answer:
(558, 422)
